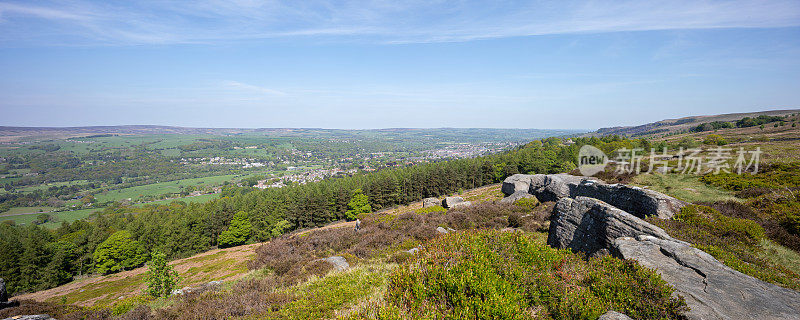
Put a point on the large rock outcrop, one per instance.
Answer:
(589, 225)
(711, 289)
(552, 187)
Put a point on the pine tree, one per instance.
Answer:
(238, 231)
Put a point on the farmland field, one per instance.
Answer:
(162, 188)
(58, 217)
(196, 199)
(23, 210)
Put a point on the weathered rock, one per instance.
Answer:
(441, 230)
(4, 303)
(516, 196)
(461, 204)
(711, 289)
(31, 317)
(589, 225)
(516, 183)
(9, 304)
(339, 263)
(637, 201)
(430, 202)
(413, 250)
(551, 187)
(613, 315)
(449, 202)
(3, 292)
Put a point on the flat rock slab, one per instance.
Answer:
(613, 315)
(711, 289)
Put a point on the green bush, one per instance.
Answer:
(709, 219)
(433, 209)
(496, 275)
(715, 139)
(529, 203)
(161, 278)
(735, 242)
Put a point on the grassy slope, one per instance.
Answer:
(219, 264)
(225, 264)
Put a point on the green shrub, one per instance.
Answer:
(709, 219)
(123, 306)
(433, 209)
(735, 242)
(715, 139)
(161, 278)
(496, 275)
(529, 203)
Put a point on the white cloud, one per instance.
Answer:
(157, 21)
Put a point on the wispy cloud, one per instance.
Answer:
(157, 22)
(252, 88)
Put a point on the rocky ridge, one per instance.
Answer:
(597, 218)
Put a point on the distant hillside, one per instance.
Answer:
(12, 134)
(682, 124)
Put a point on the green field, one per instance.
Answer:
(156, 189)
(58, 217)
(53, 184)
(19, 210)
(196, 199)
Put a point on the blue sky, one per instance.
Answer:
(377, 64)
